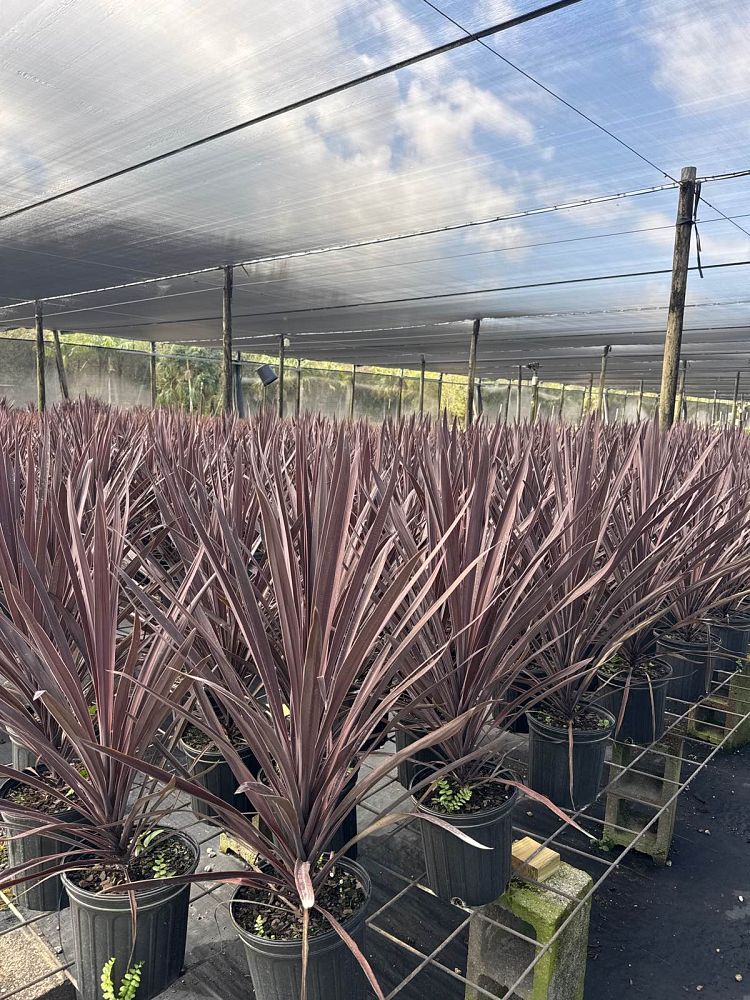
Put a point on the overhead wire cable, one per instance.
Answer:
(426, 298)
(582, 114)
(303, 102)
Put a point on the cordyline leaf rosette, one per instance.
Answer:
(496, 593)
(95, 668)
(335, 589)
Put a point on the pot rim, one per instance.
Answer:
(618, 681)
(579, 735)
(475, 817)
(146, 895)
(329, 936)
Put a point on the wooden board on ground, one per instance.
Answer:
(531, 860)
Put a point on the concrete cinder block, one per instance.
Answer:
(635, 796)
(497, 957)
(716, 716)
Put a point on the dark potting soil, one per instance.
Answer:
(450, 798)
(263, 913)
(197, 740)
(165, 859)
(585, 719)
(619, 671)
(46, 802)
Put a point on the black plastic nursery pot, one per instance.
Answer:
(455, 869)
(39, 893)
(550, 760)
(211, 770)
(407, 768)
(21, 757)
(645, 705)
(691, 664)
(102, 928)
(732, 633)
(333, 972)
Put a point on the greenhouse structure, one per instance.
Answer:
(374, 499)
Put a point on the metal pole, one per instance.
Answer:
(603, 377)
(714, 406)
(354, 386)
(518, 396)
(298, 390)
(282, 354)
(507, 401)
(440, 394)
(152, 372)
(400, 394)
(640, 401)
(534, 396)
(682, 412)
(41, 388)
(680, 260)
(472, 371)
(561, 404)
(736, 397)
(227, 364)
(59, 361)
(238, 394)
(421, 387)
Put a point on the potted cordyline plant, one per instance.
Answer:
(99, 821)
(609, 600)
(633, 683)
(495, 602)
(334, 586)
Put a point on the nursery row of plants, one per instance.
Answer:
(248, 612)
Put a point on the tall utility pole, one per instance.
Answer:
(680, 261)
(227, 368)
(473, 344)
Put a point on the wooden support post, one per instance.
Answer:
(282, 358)
(561, 404)
(603, 378)
(298, 390)
(605, 405)
(507, 401)
(640, 401)
(518, 395)
(714, 406)
(41, 387)
(735, 398)
(440, 395)
(152, 373)
(354, 388)
(227, 364)
(682, 411)
(421, 386)
(680, 261)
(60, 363)
(590, 391)
(400, 395)
(473, 344)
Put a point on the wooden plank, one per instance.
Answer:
(531, 860)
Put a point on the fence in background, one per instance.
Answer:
(193, 381)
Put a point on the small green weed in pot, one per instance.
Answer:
(449, 798)
(129, 985)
